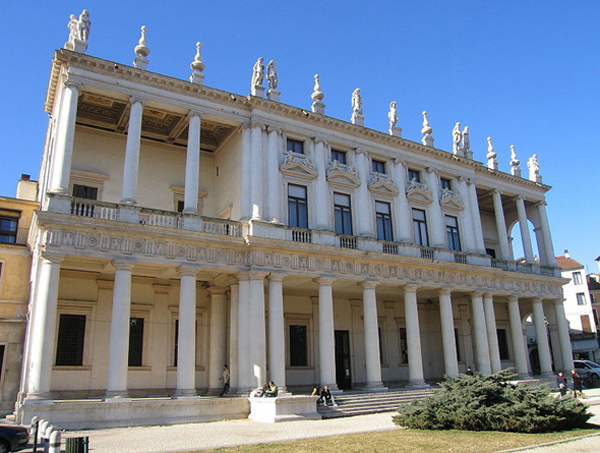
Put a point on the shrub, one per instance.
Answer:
(492, 403)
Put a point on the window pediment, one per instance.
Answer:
(418, 191)
(299, 166)
(383, 184)
(451, 200)
(342, 175)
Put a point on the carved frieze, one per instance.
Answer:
(342, 175)
(451, 200)
(298, 166)
(418, 191)
(383, 184)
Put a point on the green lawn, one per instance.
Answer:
(413, 441)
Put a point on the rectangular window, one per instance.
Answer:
(298, 346)
(180, 205)
(420, 227)
(452, 233)
(295, 146)
(340, 156)
(81, 191)
(343, 213)
(414, 174)
(136, 341)
(69, 347)
(8, 229)
(586, 325)
(378, 166)
(403, 346)
(580, 299)
(491, 252)
(383, 214)
(502, 344)
(445, 183)
(457, 345)
(577, 278)
(297, 206)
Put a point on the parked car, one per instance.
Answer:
(590, 371)
(13, 438)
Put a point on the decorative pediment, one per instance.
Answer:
(418, 191)
(451, 200)
(383, 184)
(298, 166)
(342, 175)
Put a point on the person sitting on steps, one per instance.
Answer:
(326, 397)
(271, 392)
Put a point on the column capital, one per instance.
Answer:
(53, 256)
(245, 127)
(188, 270)
(71, 83)
(193, 112)
(432, 170)
(558, 301)
(257, 125)
(216, 290)
(541, 204)
(276, 277)
(275, 129)
(411, 288)
(257, 275)
(319, 139)
(476, 294)
(322, 281)
(536, 300)
(368, 284)
(361, 150)
(513, 298)
(123, 264)
(496, 192)
(134, 99)
(520, 197)
(398, 161)
(487, 295)
(444, 291)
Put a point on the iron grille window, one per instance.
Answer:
(136, 341)
(502, 344)
(383, 214)
(378, 166)
(403, 345)
(297, 206)
(69, 347)
(343, 213)
(8, 229)
(298, 346)
(295, 146)
(340, 156)
(452, 233)
(420, 227)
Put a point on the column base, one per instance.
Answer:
(115, 396)
(38, 398)
(417, 384)
(184, 393)
(375, 387)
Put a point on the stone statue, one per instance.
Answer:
(258, 73)
(272, 75)
(73, 33)
(356, 103)
(393, 114)
(534, 168)
(466, 140)
(83, 25)
(456, 138)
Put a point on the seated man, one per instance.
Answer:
(271, 391)
(326, 397)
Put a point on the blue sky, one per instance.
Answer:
(523, 72)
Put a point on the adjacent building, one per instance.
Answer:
(183, 227)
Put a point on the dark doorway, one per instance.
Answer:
(342, 360)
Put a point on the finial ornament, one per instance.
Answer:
(197, 66)
(427, 130)
(317, 97)
(393, 117)
(258, 74)
(357, 112)
(79, 32)
(534, 169)
(141, 51)
(272, 92)
(514, 162)
(491, 155)
(456, 139)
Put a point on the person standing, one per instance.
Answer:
(225, 378)
(561, 381)
(577, 383)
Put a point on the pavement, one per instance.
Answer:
(228, 433)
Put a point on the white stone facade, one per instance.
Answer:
(196, 227)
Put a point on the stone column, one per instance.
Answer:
(467, 214)
(234, 311)
(482, 349)
(413, 337)
(448, 338)
(274, 186)
(526, 237)
(563, 333)
(246, 381)
(43, 333)
(256, 318)
(492, 332)
(321, 186)
(218, 338)
(118, 359)
(438, 230)
(132, 152)
(245, 173)
(192, 164)
(276, 332)
(542, 338)
(401, 212)
(545, 225)
(501, 225)
(363, 197)
(256, 175)
(516, 330)
(186, 335)
(476, 216)
(326, 334)
(65, 135)
(372, 354)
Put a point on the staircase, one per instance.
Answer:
(360, 403)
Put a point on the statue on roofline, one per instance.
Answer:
(272, 75)
(258, 73)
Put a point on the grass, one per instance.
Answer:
(413, 441)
